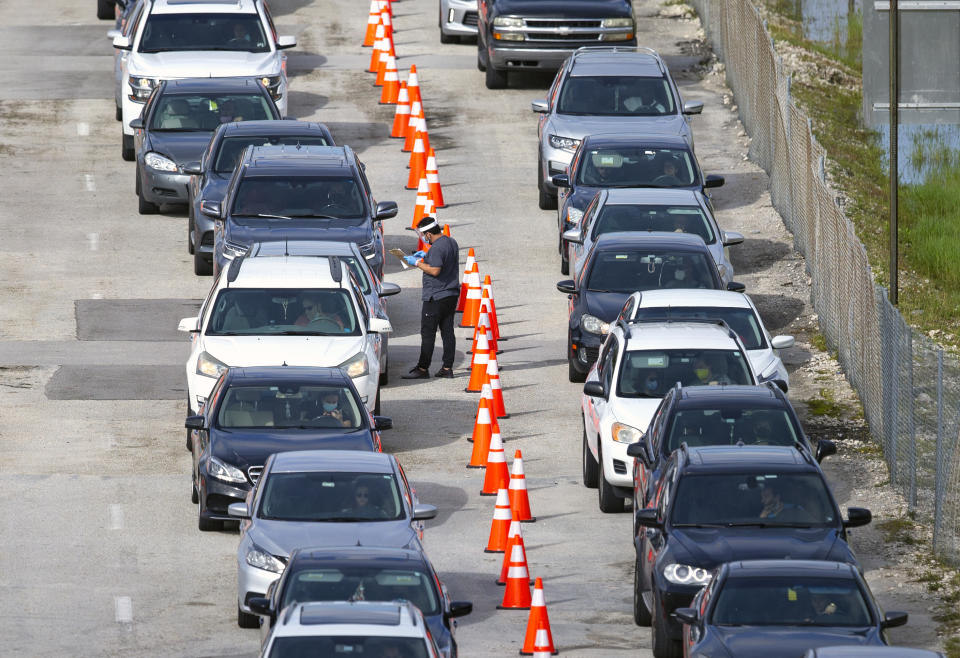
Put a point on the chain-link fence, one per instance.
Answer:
(909, 388)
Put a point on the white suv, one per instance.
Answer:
(638, 364)
(176, 39)
(292, 310)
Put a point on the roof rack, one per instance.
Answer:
(336, 270)
(623, 49)
(713, 321)
(234, 270)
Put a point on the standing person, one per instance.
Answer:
(441, 289)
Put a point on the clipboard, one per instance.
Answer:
(400, 255)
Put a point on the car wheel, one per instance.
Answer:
(609, 502)
(641, 616)
(144, 207)
(663, 646)
(201, 266)
(573, 374)
(203, 523)
(496, 79)
(384, 375)
(589, 465)
(481, 65)
(546, 201)
(376, 404)
(118, 113)
(190, 441)
(191, 227)
(194, 495)
(105, 9)
(246, 620)
(564, 263)
(126, 148)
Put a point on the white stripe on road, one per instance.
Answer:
(116, 517)
(83, 128)
(94, 241)
(96, 295)
(89, 183)
(123, 608)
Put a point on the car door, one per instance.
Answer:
(591, 421)
(601, 408)
(563, 193)
(201, 438)
(653, 540)
(578, 251)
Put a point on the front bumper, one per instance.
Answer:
(554, 161)
(544, 59)
(459, 17)
(218, 496)
(250, 580)
(163, 187)
(130, 109)
(672, 598)
(617, 466)
(198, 387)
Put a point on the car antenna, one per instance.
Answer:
(284, 364)
(286, 247)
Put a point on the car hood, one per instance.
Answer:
(709, 547)
(262, 230)
(180, 147)
(578, 126)
(247, 351)
(246, 449)
(604, 305)
(565, 8)
(636, 412)
(202, 64)
(755, 641)
(281, 537)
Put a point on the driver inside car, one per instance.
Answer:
(317, 311)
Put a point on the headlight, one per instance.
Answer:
(259, 558)
(625, 434)
(209, 366)
(232, 250)
(564, 143)
(225, 472)
(356, 366)
(681, 574)
(507, 21)
(593, 324)
(574, 215)
(159, 162)
(140, 88)
(272, 83)
(617, 22)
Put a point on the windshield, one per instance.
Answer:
(637, 167)
(204, 112)
(170, 32)
(678, 219)
(650, 373)
(284, 311)
(231, 148)
(616, 96)
(340, 496)
(293, 405)
(297, 197)
(368, 583)
(629, 271)
(731, 425)
(742, 320)
(735, 499)
(312, 646)
(799, 601)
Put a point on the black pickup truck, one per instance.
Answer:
(540, 34)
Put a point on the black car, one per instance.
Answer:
(618, 265)
(753, 606)
(305, 192)
(254, 412)
(716, 415)
(618, 160)
(366, 574)
(175, 127)
(720, 503)
(212, 173)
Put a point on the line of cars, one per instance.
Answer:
(289, 348)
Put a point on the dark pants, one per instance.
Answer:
(438, 314)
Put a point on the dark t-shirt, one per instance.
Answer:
(445, 254)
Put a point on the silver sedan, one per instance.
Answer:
(458, 18)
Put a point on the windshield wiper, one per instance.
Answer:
(597, 290)
(766, 524)
(159, 50)
(699, 525)
(262, 214)
(315, 217)
(179, 130)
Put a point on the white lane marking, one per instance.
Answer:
(83, 128)
(116, 517)
(123, 609)
(96, 295)
(93, 239)
(89, 183)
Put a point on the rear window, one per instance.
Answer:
(367, 583)
(678, 219)
(729, 426)
(629, 271)
(231, 148)
(340, 645)
(742, 320)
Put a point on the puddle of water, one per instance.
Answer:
(923, 149)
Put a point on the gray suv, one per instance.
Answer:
(606, 89)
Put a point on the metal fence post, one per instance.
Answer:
(912, 500)
(938, 464)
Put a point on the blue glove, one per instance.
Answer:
(420, 254)
(411, 260)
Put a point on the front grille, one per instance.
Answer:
(552, 36)
(218, 503)
(470, 18)
(164, 191)
(619, 467)
(254, 473)
(561, 23)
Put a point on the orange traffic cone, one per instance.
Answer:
(516, 596)
(402, 115)
(373, 20)
(386, 17)
(418, 162)
(500, 525)
(483, 324)
(519, 501)
(487, 393)
(478, 367)
(391, 83)
(513, 536)
(446, 229)
(482, 434)
(377, 46)
(496, 476)
(471, 307)
(483, 311)
(464, 285)
(496, 391)
(410, 130)
(538, 637)
(386, 49)
(422, 126)
(491, 306)
(413, 84)
(420, 207)
(433, 177)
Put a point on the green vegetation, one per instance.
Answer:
(826, 404)
(819, 341)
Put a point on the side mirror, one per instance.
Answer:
(379, 326)
(782, 385)
(113, 34)
(893, 619)
(239, 510)
(137, 124)
(638, 450)
(713, 180)
(731, 238)
(285, 42)
(192, 168)
(595, 389)
(382, 423)
(683, 615)
(259, 605)
(693, 107)
(211, 209)
(539, 106)
(386, 210)
(567, 286)
(781, 342)
(188, 324)
(193, 423)
(121, 42)
(459, 609)
(856, 517)
(825, 448)
(420, 512)
(561, 180)
(388, 289)
(646, 517)
(573, 235)
(736, 286)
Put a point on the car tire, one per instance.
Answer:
(663, 646)
(194, 494)
(118, 113)
(608, 501)
(201, 266)
(144, 207)
(448, 38)
(384, 375)
(481, 65)
(204, 524)
(376, 404)
(106, 9)
(564, 264)
(641, 616)
(546, 201)
(190, 228)
(190, 441)
(126, 148)
(589, 465)
(495, 79)
(246, 620)
(573, 374)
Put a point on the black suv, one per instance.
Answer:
(305, 192)
(720, 503)
(716, 415)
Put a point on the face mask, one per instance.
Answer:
(652, 384)
(329, 406)
(680, 275)
(702, 373)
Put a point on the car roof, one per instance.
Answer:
(275, 374)
(650, 196)
(608, 140)
(204, 6)
(357, 556)
(279, 127)
(697, 297)
(748, 396)
(681, 335)
(288, 272)
(773, 568)
(314, 248)
(658, 240)
(358, 618)
(299, 461)
(307, 159)
(208, 85)
(746, 458)
(615, 63)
